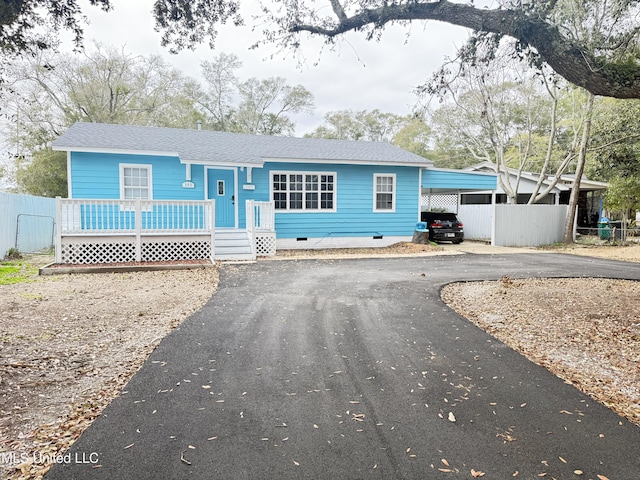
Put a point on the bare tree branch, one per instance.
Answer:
(567, 58)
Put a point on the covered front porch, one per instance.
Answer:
(93, 231)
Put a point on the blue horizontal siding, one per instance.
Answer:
(458, 180)
(354, 215)
(97, 175)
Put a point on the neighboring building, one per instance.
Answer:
(589, 201)
(270, 192)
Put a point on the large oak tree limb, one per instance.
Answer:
(575, 64)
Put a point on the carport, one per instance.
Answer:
(442, 189)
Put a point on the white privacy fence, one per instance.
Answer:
(477, 220)
(26, 222)
(528, 225)
(508, 225)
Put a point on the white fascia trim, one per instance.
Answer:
(479, 192)
(117, 151)
(347, 162)
(466, 172)
(216, 163)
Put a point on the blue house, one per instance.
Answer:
(152, 194)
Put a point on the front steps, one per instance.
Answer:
(232, 245)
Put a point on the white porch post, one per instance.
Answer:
(138, 230)
(249, 224)
(212, 228)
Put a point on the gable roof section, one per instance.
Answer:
(565, 184)
(210, 147)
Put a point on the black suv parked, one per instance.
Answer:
(443, 227)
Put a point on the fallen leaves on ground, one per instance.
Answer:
(584, 330)
(71, 342)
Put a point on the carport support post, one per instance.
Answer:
(493, 219)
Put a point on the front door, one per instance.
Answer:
(221, 188)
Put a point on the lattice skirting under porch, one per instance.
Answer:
(265, 244)
(94, 250)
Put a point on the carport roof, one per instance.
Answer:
(441, 180)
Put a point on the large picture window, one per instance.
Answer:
(135, 182)
(306, 191)
(384, 195)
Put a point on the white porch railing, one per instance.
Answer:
(261, 227)
(170, 225)
(91, 217)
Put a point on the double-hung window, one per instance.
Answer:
(135, 182)
(384, 193)
(304, 191)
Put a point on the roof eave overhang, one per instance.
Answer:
(159, 153)
(119, 151)
(466, 172)
(220, 163)
(334, 161)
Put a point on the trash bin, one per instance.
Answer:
(421, 235)
(604, 232)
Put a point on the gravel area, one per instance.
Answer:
(70, 342)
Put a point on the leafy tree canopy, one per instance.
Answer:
(370, 125)
(546, 31)
(45, 175)
(623, 195)
(616, 131)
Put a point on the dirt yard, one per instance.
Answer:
(70, 342)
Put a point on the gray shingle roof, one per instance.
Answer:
(204, 146)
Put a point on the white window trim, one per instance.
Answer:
(394, 193)
(303, 209)
(136, 165)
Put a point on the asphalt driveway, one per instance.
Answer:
(353, 369)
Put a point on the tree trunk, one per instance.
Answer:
(582, 158)
(420, 237)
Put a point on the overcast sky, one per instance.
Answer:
(358, 75)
